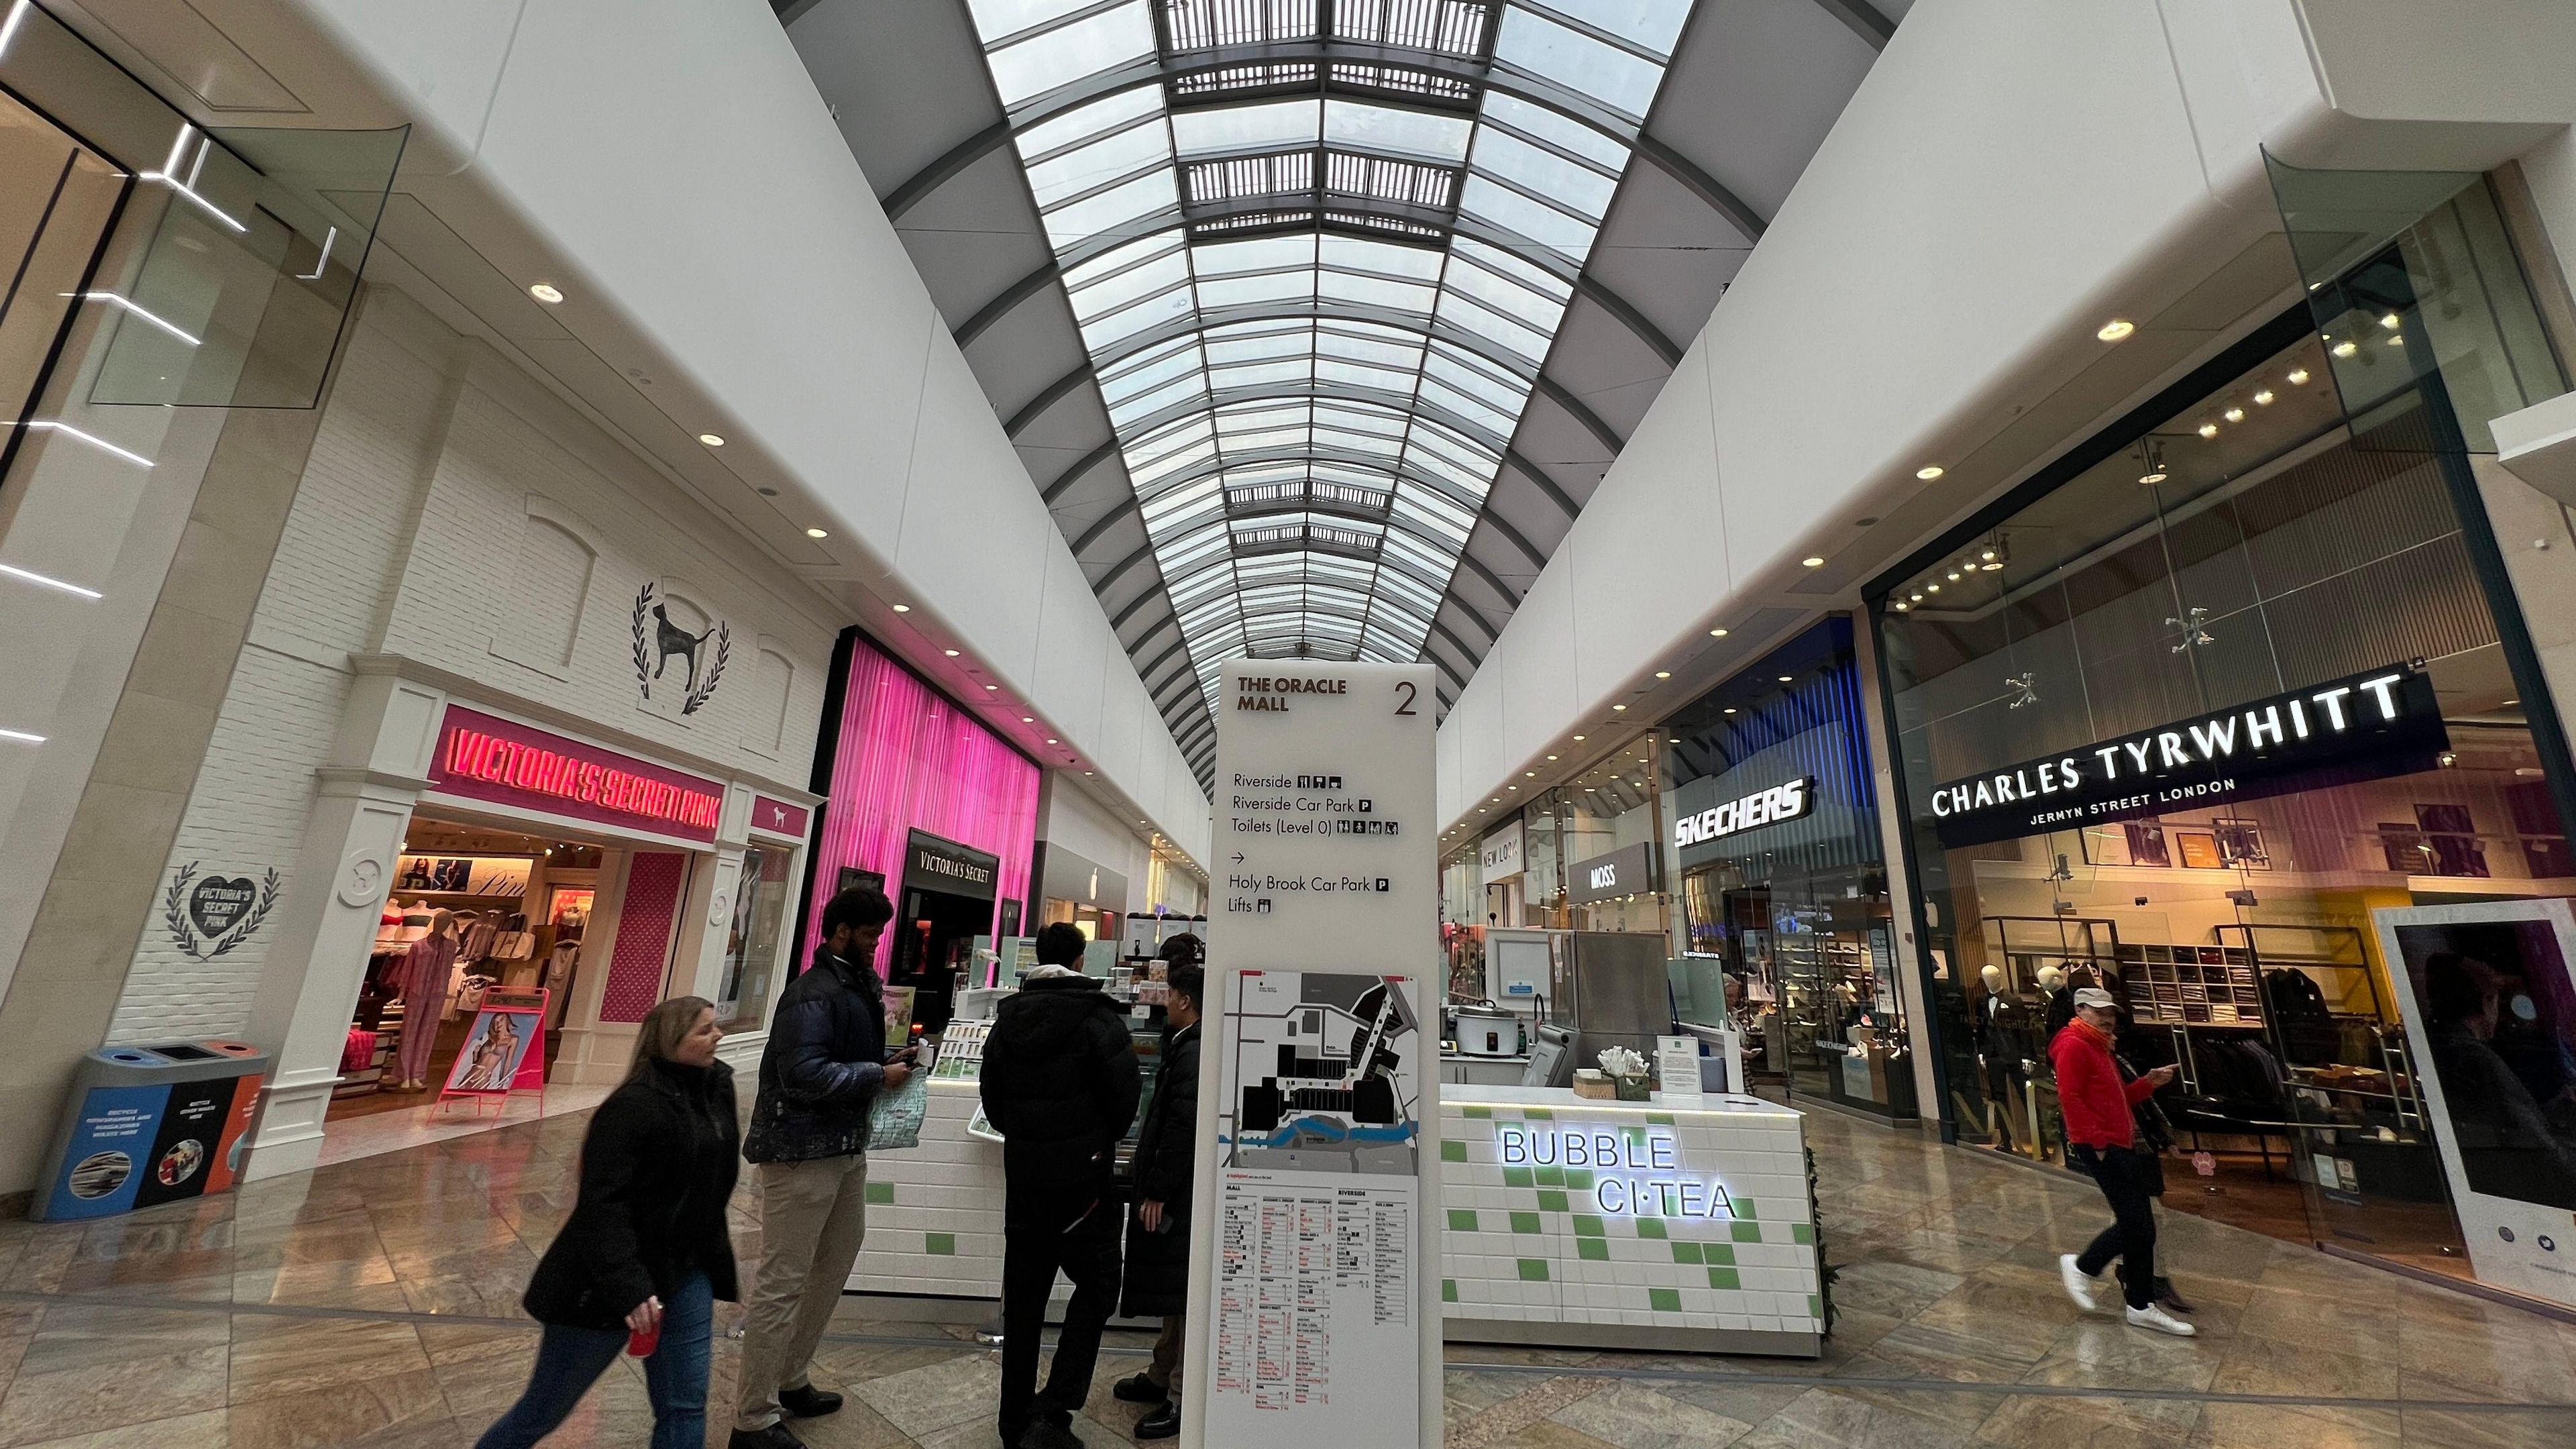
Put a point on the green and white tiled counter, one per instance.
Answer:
(1577, 1222)
(1698, 1234)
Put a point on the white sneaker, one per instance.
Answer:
(2154, 1316)
(2079, 1284)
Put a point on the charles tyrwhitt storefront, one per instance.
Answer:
(2232, 712)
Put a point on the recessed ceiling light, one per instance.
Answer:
(1899, 606)
(1090, 772)
(903, 608)
(2298, 377)
(1529, 774)
(1931, 588)
(2157, 476)
(1954, 576)
(1578, 739)
(2397, 341)
(1511, 787)
(1619, 709)
(1812, 562)
(1553, 757)
(545, 292)
(2346, 349)
(1717, 633)
(1784, 679)
(2264, 398)
(1663, 674)
(951, 653)
(1028, 719)
(1051, 739)
(2208, 430)
(2389, 321)
(711, 440)
(2235, 415)
(1929, 471)
(820, 533)
(2116, 329)
(1730, 709)
(992, 686)
(1918, 598)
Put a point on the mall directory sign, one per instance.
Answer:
(1314, 1254)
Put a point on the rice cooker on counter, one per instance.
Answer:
(1488, 1031)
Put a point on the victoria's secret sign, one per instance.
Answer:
(2360, 727)
(484, 757)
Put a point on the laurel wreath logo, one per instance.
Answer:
(645, 655)
(174, 913)
(715, 671)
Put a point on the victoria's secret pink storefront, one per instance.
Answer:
(928, 806)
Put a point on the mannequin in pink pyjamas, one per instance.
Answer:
(423, 978)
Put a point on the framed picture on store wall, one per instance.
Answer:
(2240, 843)
(2197, 849)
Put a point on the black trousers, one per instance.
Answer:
(2128, 1181)
(1032, 1253)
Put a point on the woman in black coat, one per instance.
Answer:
(645, 1254)
(1158, 1236)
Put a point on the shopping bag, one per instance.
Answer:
(895, 1122)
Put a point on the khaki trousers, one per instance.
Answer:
(1165, 1369)
(813, 1216)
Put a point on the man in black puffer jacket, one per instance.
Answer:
(1059, 1083)
(822, 1069)
(1158, 1240)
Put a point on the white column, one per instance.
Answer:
(309, 989)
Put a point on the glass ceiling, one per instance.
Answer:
(1318, 250)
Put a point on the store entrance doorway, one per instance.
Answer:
(947, 901)
(517, 908)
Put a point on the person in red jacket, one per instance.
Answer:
(2101, 1138)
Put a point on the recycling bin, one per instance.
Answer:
(151, 1123)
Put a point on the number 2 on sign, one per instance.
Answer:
(1409, 692)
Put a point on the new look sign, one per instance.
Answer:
(2361, 727)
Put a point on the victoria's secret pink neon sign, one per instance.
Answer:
(488, 758)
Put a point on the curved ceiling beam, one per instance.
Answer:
(1590, 421)
(1626, 314)
(1000, 307)
(1402, 404)
(1117, 570)
(1107, 521)
(1370, 462)
(1539, 479)
(1084, 464)
(1864, 19)
(1052, 394)
(1500, 77)
(1319, 310)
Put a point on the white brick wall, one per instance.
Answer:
(403, 539)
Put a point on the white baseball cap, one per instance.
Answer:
(2095, 997)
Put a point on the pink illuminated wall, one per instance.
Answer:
(909, 760)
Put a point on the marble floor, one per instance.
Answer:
(374, 1302)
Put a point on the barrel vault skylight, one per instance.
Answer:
(1318, 250)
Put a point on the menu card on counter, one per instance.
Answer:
(1677, 1067)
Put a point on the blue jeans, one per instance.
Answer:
(570, 1360)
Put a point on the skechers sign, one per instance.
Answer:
(2360, 727)
(1762, 807)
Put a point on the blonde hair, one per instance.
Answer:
(662, 1031)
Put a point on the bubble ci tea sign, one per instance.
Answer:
(2361, 727)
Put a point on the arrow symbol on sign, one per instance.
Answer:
(1238, 857)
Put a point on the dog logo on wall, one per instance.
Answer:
(658, 641)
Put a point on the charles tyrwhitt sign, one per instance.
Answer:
(2360, 727)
